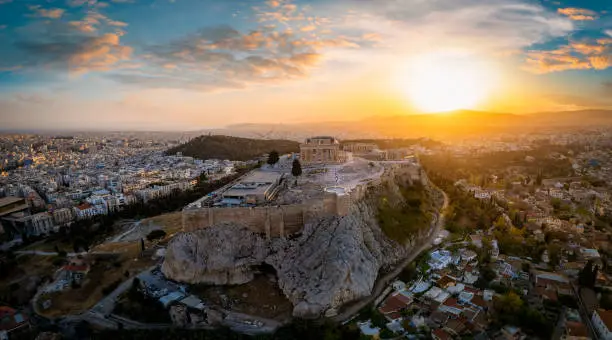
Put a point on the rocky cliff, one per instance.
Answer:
(333, 261)
(224, 254)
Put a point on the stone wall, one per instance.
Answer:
(273, 221)
(284, 220)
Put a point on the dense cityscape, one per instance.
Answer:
(509, 238)
(306, 170)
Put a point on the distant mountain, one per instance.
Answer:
(445, 125)
(573, 118)
(232, 148)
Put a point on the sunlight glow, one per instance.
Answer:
(446, 81)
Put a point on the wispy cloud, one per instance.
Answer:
(578, 14)
(227, 58)
(78, 53)
(53, 13)
(573, 56)
(281, 48)
(93, 20)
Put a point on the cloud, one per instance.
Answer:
(578, 14)
(53, 13)
(223, 57)
(308, 28)
(75, 53)
(541, 62)
(480, 27)
(34, 98)
(2, 2)
(92, 20)
(601, 62)
(583, 55)
(608, 32)
(273, 3)
(222, 52)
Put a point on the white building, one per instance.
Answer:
(602, 321)
(440, 259)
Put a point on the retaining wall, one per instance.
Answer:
(284, 220)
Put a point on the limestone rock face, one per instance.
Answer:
(335, 261)
(222, 254)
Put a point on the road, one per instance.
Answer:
(585, 313)
(383, 282)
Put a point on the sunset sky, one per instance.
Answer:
(190, 64)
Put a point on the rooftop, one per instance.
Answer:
(4, 201)
(606, 317)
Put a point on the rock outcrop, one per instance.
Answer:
(335, 259)
(223, 254)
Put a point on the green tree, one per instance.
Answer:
(273, 157)
(509, 303)
(585, 277)
(156, 234)
(296, 169)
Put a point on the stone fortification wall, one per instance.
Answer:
(273, 221)
(284, 220)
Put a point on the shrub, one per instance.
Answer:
(156, 234)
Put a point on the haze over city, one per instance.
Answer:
(186, 64)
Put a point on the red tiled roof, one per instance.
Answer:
(394, 315)
(606, 317)
(479, 301)
(444, 281)
(451, 302)
(476, 291)
(394, 303)
(577, 329)
(84, 206)
(458, 325)
(441, 334)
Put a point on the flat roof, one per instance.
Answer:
(261, 177)
(255, 183)
(10, 200)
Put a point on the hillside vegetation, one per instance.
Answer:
(232, 148)
(401, 223)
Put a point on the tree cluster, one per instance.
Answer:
(588, 275)
(232, 148)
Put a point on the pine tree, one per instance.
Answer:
(296, 169)
(273, 157)
(586, 274)
(594, 276)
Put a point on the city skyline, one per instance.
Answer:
(172, 65)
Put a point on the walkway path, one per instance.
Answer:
(383, 282)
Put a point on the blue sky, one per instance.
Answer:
(184, 64)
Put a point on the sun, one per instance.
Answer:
(446, 81)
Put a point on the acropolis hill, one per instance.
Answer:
(320, 233)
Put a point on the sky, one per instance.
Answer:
(193, 64)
